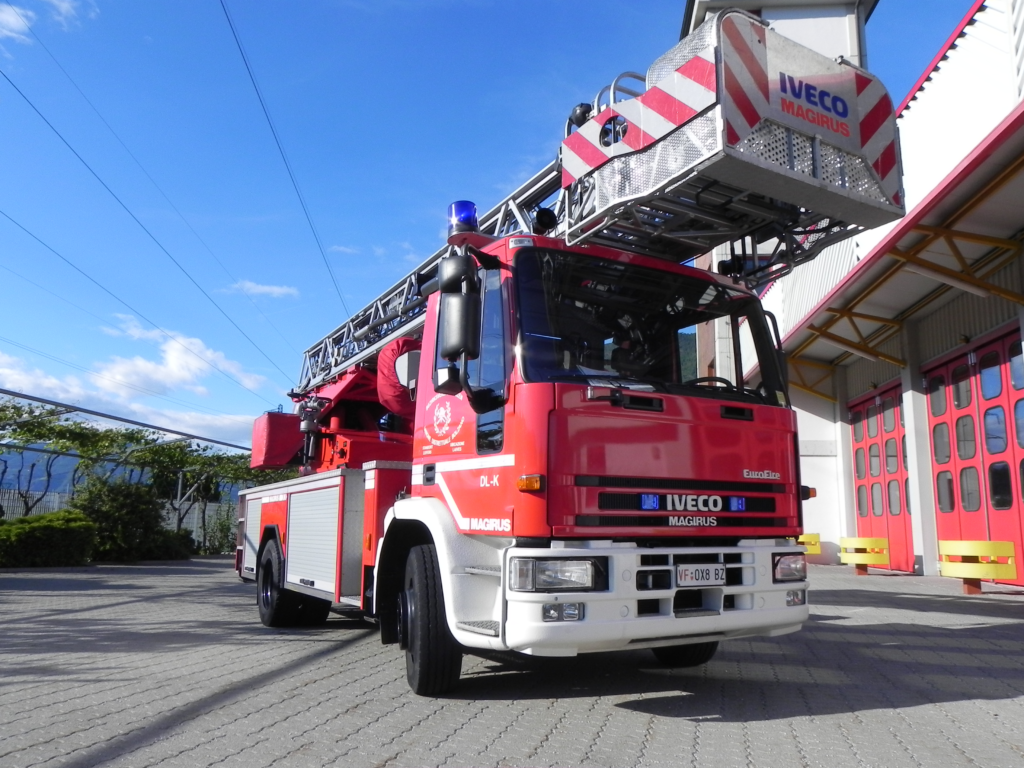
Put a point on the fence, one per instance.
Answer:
(13, 505)
(193, 519)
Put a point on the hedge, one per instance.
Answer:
(130, 523)
(54, 539)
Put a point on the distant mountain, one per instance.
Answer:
(63, 468)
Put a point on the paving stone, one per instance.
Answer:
(168, 666)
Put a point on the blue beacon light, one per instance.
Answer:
(462, 217)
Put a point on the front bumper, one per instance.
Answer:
(643, 606)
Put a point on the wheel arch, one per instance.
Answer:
(400, 538)
(270, 533)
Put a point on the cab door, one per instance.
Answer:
(462, 457)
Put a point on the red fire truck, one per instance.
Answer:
(513, 450)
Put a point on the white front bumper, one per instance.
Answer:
(626, 616)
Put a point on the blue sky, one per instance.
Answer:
(388, 111)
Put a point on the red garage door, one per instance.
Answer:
(976, 418)
(880, 474)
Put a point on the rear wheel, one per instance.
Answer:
(433, 660)
(685, 655)
(278, 607)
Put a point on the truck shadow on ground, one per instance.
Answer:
(830, 667)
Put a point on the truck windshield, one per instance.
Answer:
(606, 323)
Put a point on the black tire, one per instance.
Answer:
(312, 611)
(278, 607)
(685, 655)
(433, 660)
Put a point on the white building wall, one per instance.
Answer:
(971, 91)
(819, 468)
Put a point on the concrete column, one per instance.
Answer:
(921, 499)
(844, 445)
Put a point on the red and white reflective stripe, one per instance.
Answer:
(652, 115)
(745, 76)
(878, 133)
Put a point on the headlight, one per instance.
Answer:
(790, 568)
(532, 575)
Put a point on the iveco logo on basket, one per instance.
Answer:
(765, 474)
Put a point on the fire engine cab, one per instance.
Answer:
(512, 448)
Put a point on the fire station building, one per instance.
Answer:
(904, 342)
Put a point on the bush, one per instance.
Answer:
(130, 522)
(169, 545)
(221, 533)
(50, 540)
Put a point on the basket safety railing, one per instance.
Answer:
(862, 552)
(977, 560)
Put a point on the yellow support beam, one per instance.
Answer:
(858, 349)
(957, 277)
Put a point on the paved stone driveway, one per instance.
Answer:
(169, 666)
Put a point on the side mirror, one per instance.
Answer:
(459, 330)
(455, 269)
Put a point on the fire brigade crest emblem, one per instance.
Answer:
(442, 418)
(442, 427)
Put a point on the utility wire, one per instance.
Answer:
(142, 226)
(122, 419)
(148, 176)
(121, 382)
(84, 369)
(284, 157)
(132, 309)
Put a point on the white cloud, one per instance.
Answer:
(17, 375)
(343, 249)
(15, 23)
(255, 289)
(184, 361)
(63, 10)
(378, 251)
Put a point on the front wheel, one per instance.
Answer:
(433, 660)
(278, 607)
(685, 655)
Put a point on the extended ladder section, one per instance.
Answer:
(740, 133)
(735, 134)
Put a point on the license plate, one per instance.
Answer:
(700, 575)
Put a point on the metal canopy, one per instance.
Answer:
(967, 229)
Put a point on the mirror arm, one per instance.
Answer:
(480, 400)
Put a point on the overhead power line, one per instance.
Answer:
(142, 226)
(284, 157)
(120, 382)
(132, 309)
(122, 419)
(142, 168)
